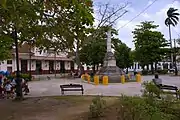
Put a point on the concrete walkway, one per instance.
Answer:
(51, 87)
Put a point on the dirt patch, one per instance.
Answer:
(47, 108)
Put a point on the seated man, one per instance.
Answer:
(158, 82)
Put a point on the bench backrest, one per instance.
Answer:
(71, 86)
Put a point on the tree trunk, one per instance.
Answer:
(55, 63)
(30, 74)
(152, 68)
(156, 66)
(18, 80)
(97, 67)
(143, 67)
(78, 59)
(175, 65)
(170, 40)
(93, 68)
(147, 67)
(127, 70)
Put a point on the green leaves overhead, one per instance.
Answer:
(3, 3)
(172, 17)
(149, 43)
(123, 54)
(43, 21)
(94, 47)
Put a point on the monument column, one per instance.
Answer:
(109, 67)
(109, 40)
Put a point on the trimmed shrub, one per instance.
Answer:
(97, 107)
(165, 71)
(145, 72)
(24, 76)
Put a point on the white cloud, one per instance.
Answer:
(145, 15)
(149, 2)
(125, 33)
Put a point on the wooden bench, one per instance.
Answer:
(168, 87)
(71, 87)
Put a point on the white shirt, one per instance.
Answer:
(13, 82)
(158, 81)
(8, 87)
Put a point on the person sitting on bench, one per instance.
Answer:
(158, 83)
(157, 80)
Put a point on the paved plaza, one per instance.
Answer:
(51, 87)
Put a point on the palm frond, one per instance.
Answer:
(175, 17)
(174, 21)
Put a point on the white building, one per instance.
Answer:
(161, 65)
(42, 62)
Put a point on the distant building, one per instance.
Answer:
(42, 61)
(166, 64)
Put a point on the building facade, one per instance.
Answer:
(41, 61)
(161, 65)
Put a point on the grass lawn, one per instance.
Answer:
(49, 108)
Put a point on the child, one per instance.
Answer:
(26, 88)
(1, 92)
(8, 89)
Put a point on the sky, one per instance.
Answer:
(156, 12)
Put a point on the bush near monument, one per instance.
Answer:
(148, 72)
(24, 76)
(147, 107)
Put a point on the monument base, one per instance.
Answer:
(113, 72)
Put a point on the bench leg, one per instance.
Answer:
(82, 92)
(62, 92)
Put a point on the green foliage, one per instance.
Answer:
(150, 90)
(97, 107)
(165, 71)
(43, 21)
(123, 56)
(3, 3)
(24, 76)
(5, 47)
(137, 108)
(172, 17)
(93, 49)
(148, 72)
(145, 72)
(149, 43)
(147, 107)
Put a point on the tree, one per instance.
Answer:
(171, 20)
(67, 25)
(93, 51)
(5, 48)
(19, 21)
(149, 44)
(123, 56)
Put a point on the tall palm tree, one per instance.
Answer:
(172, 20)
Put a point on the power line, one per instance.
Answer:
(138, 14)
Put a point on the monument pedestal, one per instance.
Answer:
(110, 69)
